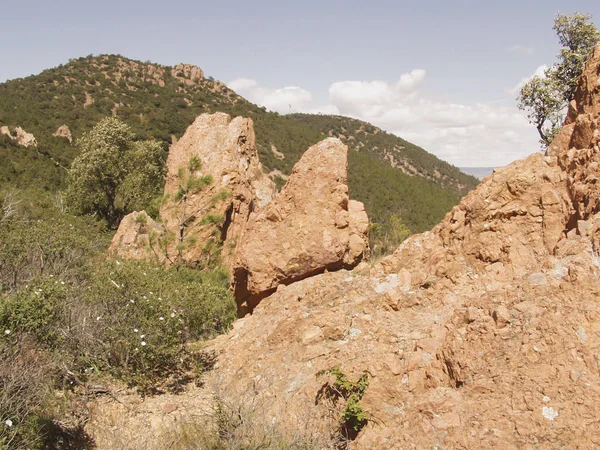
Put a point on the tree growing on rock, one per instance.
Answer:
(545, 98)
(114, 173)
(190, 182)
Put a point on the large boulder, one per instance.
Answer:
(310, 226)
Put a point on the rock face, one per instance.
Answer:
(65, 132)
(20, 136)
(188, 72)
(482, 333)
(309, 227)
(227, 151)
(132, 239)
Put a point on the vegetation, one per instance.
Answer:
(114, 174)
(240, 424)
(69, 319)
(188, 223)
(353, 417)
(545, 98)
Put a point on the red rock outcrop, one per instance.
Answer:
(19, 135)
(188, 73)
(482, 333)
(65, 132)
(226, 148)
(309, 227)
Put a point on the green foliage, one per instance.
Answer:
(67, 315)
(385, 191)
(385, 237)
(114, 174)
(40, 240)
(190, 182)
(147, 314)
(352, 415)
(364, 138)
(546, 98)
(33, 310)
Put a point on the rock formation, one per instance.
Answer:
(227, 151)
(132, 239)
(312, 226)
(20, 136)
(187, 72)
(482, 333)
(65, 132)
(309, 227)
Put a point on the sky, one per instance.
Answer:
(441, 74)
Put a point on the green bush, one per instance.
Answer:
(146, 315)
(353, 417)
(34, 310)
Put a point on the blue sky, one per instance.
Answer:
(439, 73)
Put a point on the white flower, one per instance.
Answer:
(143, 343)
(142, 336)
(62, 282)
(145, 297)
(7, 332)
(132, 301)
(8, 423)
(135, 349)
(161, 318)
(135, 330)
(172, 314)
(98, 318)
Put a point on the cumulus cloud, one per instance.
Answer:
(539, 72)
(463, 134)
(282, 100)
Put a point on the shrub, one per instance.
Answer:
(34, 310)
(353, 418)
(25, 376)
(148, 314)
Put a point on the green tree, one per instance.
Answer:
(114, 174)
(190, 182)
(545, 98)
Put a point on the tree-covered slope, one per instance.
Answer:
(390, 175)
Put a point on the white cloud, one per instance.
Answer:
(242, 84)
(539, 72)
(525, 50)
(282, 100)
(464, 135)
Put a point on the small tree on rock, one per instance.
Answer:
(189, 220)
(545, 98)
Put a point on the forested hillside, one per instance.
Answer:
(390, 175)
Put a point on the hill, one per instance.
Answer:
(388, 174)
